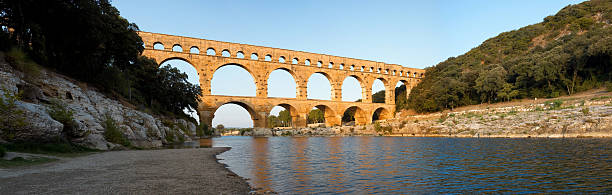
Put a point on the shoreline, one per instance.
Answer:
(165, 171)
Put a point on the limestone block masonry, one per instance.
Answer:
(301, 65)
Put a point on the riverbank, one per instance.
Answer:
(587, 114)
(167, 171)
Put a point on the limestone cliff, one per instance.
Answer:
(90, 109)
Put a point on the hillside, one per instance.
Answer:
(567, 53)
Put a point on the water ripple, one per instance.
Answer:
(397, 165)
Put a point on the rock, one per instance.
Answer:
(95, 141)
(38, 124)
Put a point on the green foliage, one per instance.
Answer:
(585, 111)
(203, 130)
(378, 97)
(534, 61)
(89, 40)
(608, 86)
(20, 61)
(56, 147)
(286, 133)
(13, 119)
(220, 127)
(2, 151)
(382, 129)
(316, 116)
(443, 118)
(112, 133)
(20, 162)
(282, 120)
(554, 104)
(58, 111)
(170, 136)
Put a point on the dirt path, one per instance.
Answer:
(172, 171)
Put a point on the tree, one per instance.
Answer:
(490, 82)
(285, 118)
(316, 116)
(220, 127)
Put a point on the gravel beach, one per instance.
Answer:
(168, 171)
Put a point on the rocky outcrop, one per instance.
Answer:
(90, 110)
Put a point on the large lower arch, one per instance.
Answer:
(233, 80)
(357, 114)
(296, 121)
(381, 114)
(331, 119)
(256, 119)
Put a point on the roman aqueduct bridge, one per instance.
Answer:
(206, 56)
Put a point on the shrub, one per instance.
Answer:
(20, 61)
(58, 111)
(12, 118)
(170, 136)
(112, 132)
(553, 105)
(2, 151)
(585, 111)
(608, 86)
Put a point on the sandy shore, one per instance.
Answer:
(170, 171)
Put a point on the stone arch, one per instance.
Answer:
(178, 58)
(295, 116)
(385, 85)
(329, 80)
(307, 62)
(177, 48)
(226, 53)
(246, 68)
(268, 58)
(361, 87)
(331, 119)
(249, 108)
(239, 54)
(158, 46)
(211, 51)
(295, 61)
(381, 113)
(291, 73)
(281, 59)
(358, 115)
(254, 56)
(194, 50)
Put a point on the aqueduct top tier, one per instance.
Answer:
(208, 55)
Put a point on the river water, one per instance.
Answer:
(348, 165)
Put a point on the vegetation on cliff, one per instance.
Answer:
(90, 41)
(566, 53)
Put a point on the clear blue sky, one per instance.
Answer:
(411, 33)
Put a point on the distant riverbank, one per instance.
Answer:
(168, 171)
(588, 114)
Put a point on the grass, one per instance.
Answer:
(19, 162)
(112, 132)
(59, 148)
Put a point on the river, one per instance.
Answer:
(349, 165)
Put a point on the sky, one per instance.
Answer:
(415, 34)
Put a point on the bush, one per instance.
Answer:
(58, 111)
(2, 151)
(112, 132)
(553, 105)
(609, 86)
(21, 62)
(12, 118)
(585, 111)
